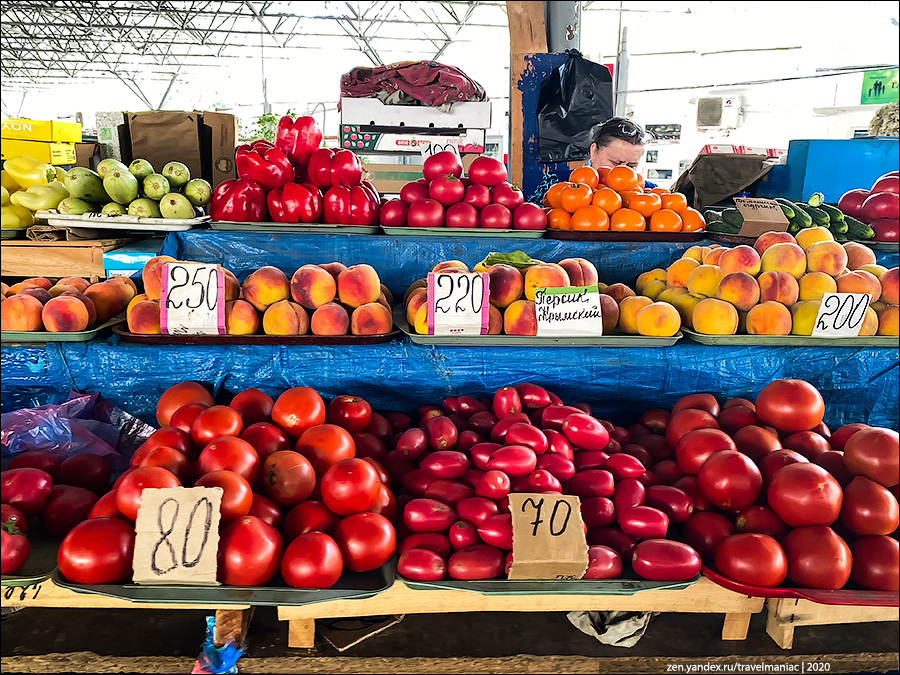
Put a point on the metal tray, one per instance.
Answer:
(256, 339)
(300, 228)
(13, 234)
(791, 340)
(628, 584)
(462, 232)
(615, 340)
(568, 235)
(41, 561)
(843, 596)
(885, 246)
(351, 586)
(107, 221)
(41, 337)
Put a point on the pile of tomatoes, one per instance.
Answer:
(613, 199)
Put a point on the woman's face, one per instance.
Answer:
(618, 152)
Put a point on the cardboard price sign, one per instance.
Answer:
(760, 216)
(429, 148)
(548, 537)
(573, 310)
(192, 299)
(177, 536)
(458, 303)
(841, 314)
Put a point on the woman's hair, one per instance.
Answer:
(617, 127)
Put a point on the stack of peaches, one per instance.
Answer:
(775, 286)
(71, 305)
(327, 300)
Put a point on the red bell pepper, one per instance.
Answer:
(364, 206)
(261, 145)
(328, 167)
(336, 205)
(269, 168)
(293, 203)
(298, 139)
(238, 199)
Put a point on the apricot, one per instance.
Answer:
(671, 293)
(151, 275)
(109, 298)
(813, 235)
(334, 268)
(813, 285)
(870, 323)
(418, 298)
(371, 319)
(628, 311)
(714, 317)
(785, 257)
(545, 275)
(358, 285)
(769, 318)
(768, 239)
(678, 272)
(144, 318)
(581, 272)
(92, 311)
(285, 318)
(653, 289)
(826, 256)
(888, 321)
(495, 321)
(21, 313)
(685, 304)
(803, 316)
(704, 280)
(241, 318)
(858, 255)
(778, 287)
(859, 281)
(618, 292)
(658, 319)
(645, 278)
(740, 289)
(740, 259)
(520, 318)
(312, 287)
(265, 287)
(694, 253)
(507, 285)
(609, 312)
(80, 283)
(330, 319)
(890, 286)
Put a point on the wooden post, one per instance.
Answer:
(302, 633)
(736, 626)
(231, 626)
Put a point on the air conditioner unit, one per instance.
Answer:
(719, 112)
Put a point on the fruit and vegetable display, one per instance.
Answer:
(613, 199)
(516, 277)
(775, 286)
(26, 186)
(443, 197)
(330, 299)
(71, 304)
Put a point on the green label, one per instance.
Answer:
(880, 87)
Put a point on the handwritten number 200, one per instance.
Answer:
(166, 532)
(836, 307)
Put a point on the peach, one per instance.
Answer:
(330, 319)
(40, 282)
(421, 321)
(878, 305)
(65, 314)
(241, 318)
(858, 281)
(495, 321)
(628, 311)
(507, 285)
(41, 294)
(144, 318)
(58, 289)
(285, 318)
(371, 319)
(450, 265)
(742, 323)
(140, 297)
(740, 289)
(813, 285)
(618, 292)
(870, 323)
(826, 256)
(387, 295)
(653, 289)
(21, 286)
(601, 286)
(92, 310)
(265, 287)
(858, 255)
(383, 301)
(813, 235)
(80, 283)
(109, 298)
(714, 255)
(768, 239)
(679, 271)
(685, 305)
(890, 286)
(545, 275)
(788, 258)
(803, 316)
(334, 268)
(609, 311)
(888, 321)
(693, 253)
(419, 283)
(778, 287)
(704, 280)
(418, 298)
(671, 293)
(126, 284)
(358, 285)
(877, 270)
(714, 317)
(645, 278)
(4, 289)
(740, 259)
(312, 287)
(21, 313)
(769, 318)
(520, 318)
(232, 285)
(658, 319)
(151, 275)
(581, 272)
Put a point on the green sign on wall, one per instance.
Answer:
(880, 87)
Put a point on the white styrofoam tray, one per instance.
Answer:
(108, 221)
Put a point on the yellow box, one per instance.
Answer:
(37, 130)
(51, 153)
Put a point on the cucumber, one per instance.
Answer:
(819, 217)
(794, 227)
(712, 216)
(857, 229)
(835, 215)
(840, 227)
(816, 199)
(723, 227)
(841, 237)
(733, 217)
(786, 207)
(801, 216)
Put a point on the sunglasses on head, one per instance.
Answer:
(630, 129)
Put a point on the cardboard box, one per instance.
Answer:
(164, 136)
(218, 139)
(51, 153)
(130, 259)
(390, 178)
(760, 216)
(37, 130)
(718, 150)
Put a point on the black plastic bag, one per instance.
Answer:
(574, 98)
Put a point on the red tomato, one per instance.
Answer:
(324, 445)
(179, 395)
(585, 431)
(665, 560)
(164, 456)
(603, 563)
(173, 438)
(869, 508)
(26, 489)
(462, 215)
(790, 405)
(367, 541)
(237, 496)
(875, 562)
(756, 442)
(231, 453)
(851, 202)
(874, 453)
(674, 502)
(808, 443)
(413, 192)
(613, 537)
(266, 510)
(478, 196)
(736, 417)
(479, 561)
(215, 422)
(393, 213)
(687, 420)
(128, 496)
(643, 522)
(833, 462)
(880, 205)
(312, 560)
(511, 197)
(266, 438)
(487, 171)
(15, 549)
(380, 427)
(288, 478)
(752, 558)
(476, 509)
(36, 459)
(428, 515)
(590, 483)
(442, 164)
(420, 564)
(183, 418)
(761, 519)
(350, 412)
(704, 531)
(495, 217)
(425, 213)
(730, 480)
(431, 541)
(350, 486)
(772, 462)
(817, 557)
(97, 551)
(10, 514)
(298, 409)
(249, 552)
(805, 494)
(87, 470)
(385, 504)
(446, 189)
(66, 506)
(840, 437)
(497, 531)
(309, 516)
(705, 402)
(105, 507)
(253, 406)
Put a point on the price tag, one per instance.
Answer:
(458, 303)
(192, 299)
(177, 536)
(548, 537)
(569, 311)
(841, 314)
(429, 148)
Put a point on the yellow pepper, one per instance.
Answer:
(15, 217)
(40, 197)
(7, 181)
(60, 173)
(4, 196)
(26, 171)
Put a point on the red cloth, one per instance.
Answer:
(431, 83)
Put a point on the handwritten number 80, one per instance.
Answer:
(166, 532)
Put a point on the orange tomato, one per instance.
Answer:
(607, 199)
(659, 190)
(674, 202)
(587, 175)
(665, 220)
(590, 219)
(640, 180)
(622, 178)
(626, 195)
(575, 195)
(604, 172)
(559, 219)
(552, 195)
(693, 220)
(627, 220)
(645, 204)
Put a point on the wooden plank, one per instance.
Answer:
(105, 244)
(736, 626)
(57, 258)
(302, 633)
(785, 614)
(231, 626)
